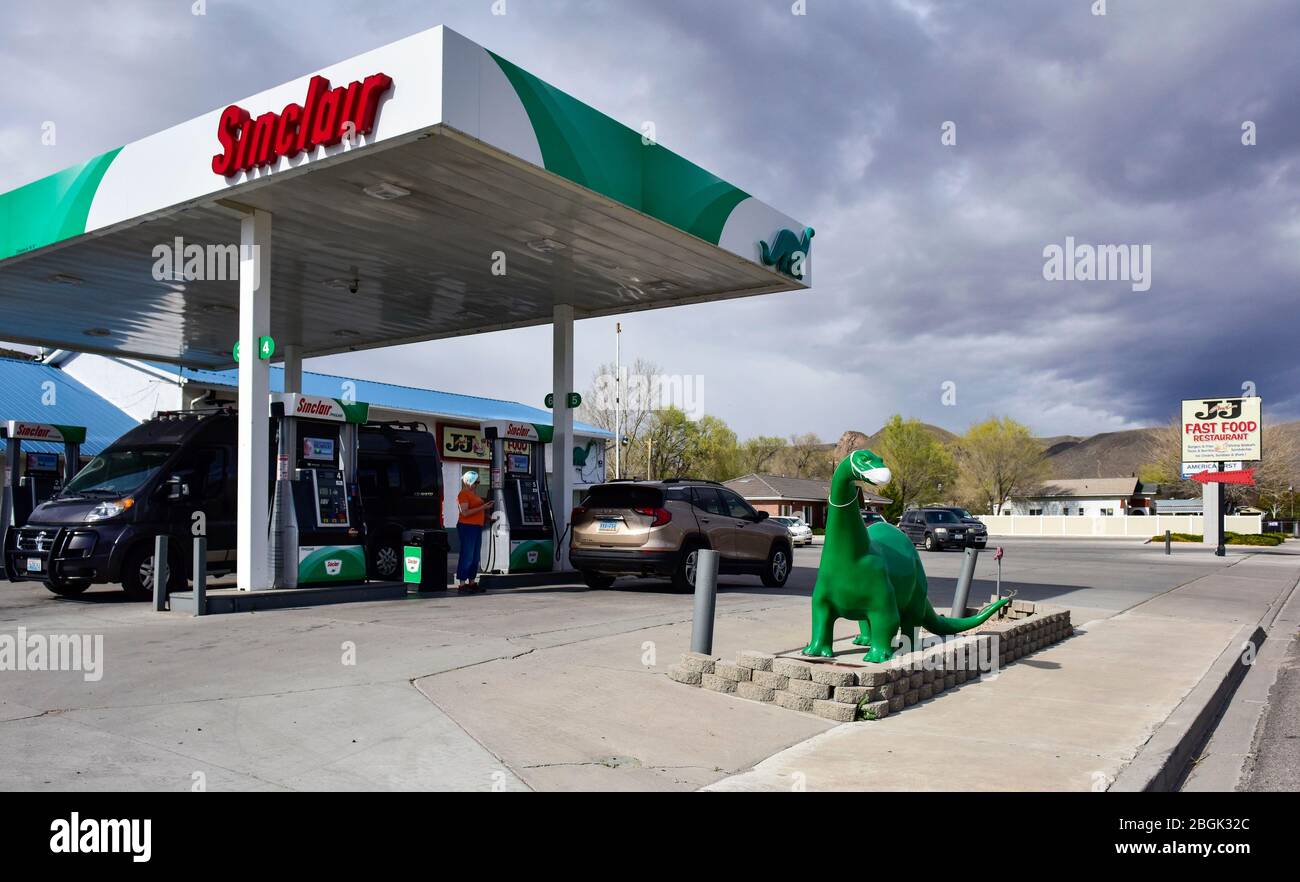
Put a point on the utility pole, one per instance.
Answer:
(618, 403)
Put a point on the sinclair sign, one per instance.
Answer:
(1222, 429)
(324, 118)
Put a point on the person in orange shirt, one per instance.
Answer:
(469, 528)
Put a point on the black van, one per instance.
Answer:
(101, 526)
(400, 478)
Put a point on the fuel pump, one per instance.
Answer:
(31, 480)
(521, 538)
(316, 519)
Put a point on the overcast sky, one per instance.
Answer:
(1117, 129)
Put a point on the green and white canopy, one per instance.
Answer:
(512, 196)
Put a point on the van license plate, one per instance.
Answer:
(33, 564)
(608, 525)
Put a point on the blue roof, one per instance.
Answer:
(467, 407)
(23, 394)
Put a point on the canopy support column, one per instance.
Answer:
(252, 515)
(292, 368)
(562, 479)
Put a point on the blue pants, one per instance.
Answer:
(471, 546)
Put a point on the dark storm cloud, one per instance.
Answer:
(1122, 129)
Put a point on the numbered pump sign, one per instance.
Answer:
(1222, 429)
(265, 348)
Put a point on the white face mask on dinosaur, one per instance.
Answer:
(864, 464)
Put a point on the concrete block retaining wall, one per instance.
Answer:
(854, 690)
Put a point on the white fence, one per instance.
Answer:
(1145, 526)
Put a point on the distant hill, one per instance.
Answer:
(1108, 455)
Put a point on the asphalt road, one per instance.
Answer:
(1276, 765)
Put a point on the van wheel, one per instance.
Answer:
(596, 580)
(777, 569)
(137, 572)
(386, 560)
(687, 563)
(67, 587)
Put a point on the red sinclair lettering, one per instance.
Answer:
(26, 431)
(321, 121)
(519, 431)
(315, 408)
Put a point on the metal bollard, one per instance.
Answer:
(200, 575)
(963, 583)
(160, 573)
(706, 593)
(1168, 543)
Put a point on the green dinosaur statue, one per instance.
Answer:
(783, 250)
(873, 575)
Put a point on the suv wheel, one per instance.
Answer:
(777, 569)
(684, 575)
(930, 544)
(596, 580)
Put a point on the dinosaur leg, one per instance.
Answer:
(864, 634)
(823, 629)
(884, 627)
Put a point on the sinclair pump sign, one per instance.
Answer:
(1222, 429)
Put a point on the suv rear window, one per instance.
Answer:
(624, 496)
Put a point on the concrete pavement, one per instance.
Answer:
(546, 688)
(1071, 717)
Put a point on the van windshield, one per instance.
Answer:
(118, 472)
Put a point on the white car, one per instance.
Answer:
(800, 533)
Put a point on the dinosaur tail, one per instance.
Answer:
(944, 626)
(767, 253)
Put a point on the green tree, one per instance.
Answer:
(760, 454)
(918, 463)
(716, 455)
(999, 457)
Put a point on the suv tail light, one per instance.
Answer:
(661, 515)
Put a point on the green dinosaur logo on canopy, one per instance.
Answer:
(788, 252)
(872, 574)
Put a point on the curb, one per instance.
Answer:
(1161, 762)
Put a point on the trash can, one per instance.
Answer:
(424, 559)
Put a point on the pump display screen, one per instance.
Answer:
(331, 498)
(519, 463)
(530, 503)
(42, 462)
(318, 449)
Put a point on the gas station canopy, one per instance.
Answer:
(461, 195)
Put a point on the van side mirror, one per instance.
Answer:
(176, 488)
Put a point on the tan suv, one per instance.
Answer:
(656, 528)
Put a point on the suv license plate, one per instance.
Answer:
(608, 525)
(33, 564)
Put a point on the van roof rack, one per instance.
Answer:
(195, 413)
(408, 425)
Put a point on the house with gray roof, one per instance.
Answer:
(1086, 497)
(799, 497)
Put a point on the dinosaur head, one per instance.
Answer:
(869, 467)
